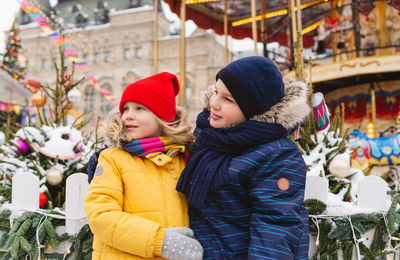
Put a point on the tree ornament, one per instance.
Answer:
(33, 84)
(54, 176)
(67, 80)
(2, 138)
(74, 96)
(79, 148)
(42, 199)
(38, 99)
(340, 166)
(22, 147)
(321, 113)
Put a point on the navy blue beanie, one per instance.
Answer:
(254, 82)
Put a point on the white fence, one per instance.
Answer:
(371, 192)
(371, 197)
(25, 197)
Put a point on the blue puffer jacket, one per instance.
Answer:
(259, 213)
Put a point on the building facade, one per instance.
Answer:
(117, 42)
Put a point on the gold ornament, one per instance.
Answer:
(38, 99)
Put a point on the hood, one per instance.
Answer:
(290, 111)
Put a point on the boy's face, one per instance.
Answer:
(224, 109)
(139, 121)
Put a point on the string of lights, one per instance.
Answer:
(276, 13)
(44, 23)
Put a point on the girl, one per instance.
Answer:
(245, 180)
(132, 206)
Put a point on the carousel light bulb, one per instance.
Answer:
(370, 130)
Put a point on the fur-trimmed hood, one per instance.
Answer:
(290, 111)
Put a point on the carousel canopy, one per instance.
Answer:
(209, 14)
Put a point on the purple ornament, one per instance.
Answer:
(22, 146)
(79, 148)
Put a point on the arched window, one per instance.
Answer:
(134, 3)
(105, 104)
(90, 99)
(188, 94)
(80, 20)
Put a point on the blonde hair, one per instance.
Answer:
(179, 131)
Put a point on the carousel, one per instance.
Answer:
(348, 49)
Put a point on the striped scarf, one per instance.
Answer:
(149, 147)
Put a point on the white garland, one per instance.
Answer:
(356, 241)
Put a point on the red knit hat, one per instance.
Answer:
(156, 92)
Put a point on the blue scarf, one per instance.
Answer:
(215, 148)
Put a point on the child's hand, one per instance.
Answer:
(179, 244)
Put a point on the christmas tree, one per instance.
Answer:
(13, 59)
(340, 228)
(14, 64)
(51, 147)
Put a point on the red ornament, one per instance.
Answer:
(67, 81)
(33, 84)
(42, 199)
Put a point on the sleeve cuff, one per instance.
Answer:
(158, 241)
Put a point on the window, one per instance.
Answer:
(139, 52)
(105, 16)
(105, 104)
(90, 99)
(107, 57)
(96, 57)
(127, 54)
(80, 20)
(100, 4)
(86, 57)
(25, 18)
(75, 9)
(44, 63)
(188, 94)
(134, 3)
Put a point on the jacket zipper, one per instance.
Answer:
(184, 205)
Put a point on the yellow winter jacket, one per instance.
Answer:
(130, 201)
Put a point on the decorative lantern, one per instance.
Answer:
(38, 99)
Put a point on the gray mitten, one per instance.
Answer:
(179, 244)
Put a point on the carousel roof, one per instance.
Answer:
(209, 14)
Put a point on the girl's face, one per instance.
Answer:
(224, 109)
(139, 121)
